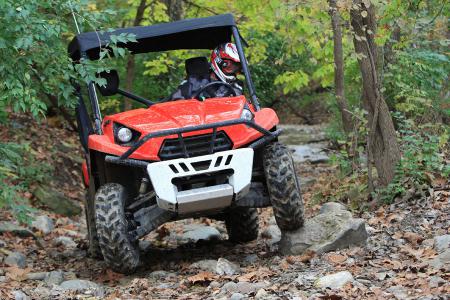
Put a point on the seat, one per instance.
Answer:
(198, 75)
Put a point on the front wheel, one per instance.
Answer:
(242, 224)
(118, 249)
(283, 186)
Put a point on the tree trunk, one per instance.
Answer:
(339, 68)
(382, 146)
(174, 9)
(130, 62)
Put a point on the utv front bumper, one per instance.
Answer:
(236, 163)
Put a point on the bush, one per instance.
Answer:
(19, 169)
(423, 158)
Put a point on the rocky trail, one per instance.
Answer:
(398, 251)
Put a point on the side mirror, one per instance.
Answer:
(112, 83)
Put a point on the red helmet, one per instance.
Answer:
(225, 62)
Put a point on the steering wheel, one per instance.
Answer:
(204, 90)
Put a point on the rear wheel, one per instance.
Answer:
(283, 187)
(94, 247)
(242, 224)
(118, 249)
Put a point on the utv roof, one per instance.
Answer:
(200, 33)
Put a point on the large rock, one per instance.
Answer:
(54, 278)
(441, 261)
(442, 243)
(43, 223)
(65, 241)
(310, 152)
(335, 229)
(334, 281)
(82, 286)
(15, 229)
(16, 259)
(19, 295)
(273, 233)
(200, 232)
(226, 267)
(208, 265)
(332, 206)
(56, 201)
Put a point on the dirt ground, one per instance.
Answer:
(403, 257)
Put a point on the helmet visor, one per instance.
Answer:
(230, 67)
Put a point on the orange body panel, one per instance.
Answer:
(178, 114)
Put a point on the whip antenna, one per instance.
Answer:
(74, 17)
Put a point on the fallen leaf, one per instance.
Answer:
(16, 273)
(307, 256)
(413, 238)
(336, 258)
(248, 276)
(109, 276)
(201, 277)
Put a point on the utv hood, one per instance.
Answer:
(181, 113)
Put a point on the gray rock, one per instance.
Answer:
(201, 233)
(229, 287)
(19, 295)
(205, 265)
(273, 233)
(325, 232)
(37, 276)
(307, 182)
(251, 259)
(214, 285)
(43, 223)
(82, 286)
(310, 152)
(436, 281)
(16, 259)
(306, 279)
(398, 291)
(161, 274)
(272, 221)
(332, 207)
(2, 244)
(248, 287)
(65, 241)
(443, 259)
(41, 292)
(262, 295)
(225, 267)
(15, 229)
(2, 278)
(442, 243)
(334, 281)
(237, 296)
(56, 201)
(54, 278)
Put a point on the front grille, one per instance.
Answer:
(195, 145)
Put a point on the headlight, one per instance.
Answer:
(247, 114)
(124, 135)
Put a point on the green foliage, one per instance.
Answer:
(19, 169)
(415, 82)
(33, 51)
(423, 158)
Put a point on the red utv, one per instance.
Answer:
(213, 157)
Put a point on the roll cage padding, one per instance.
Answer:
(83, 122)
(200, 33)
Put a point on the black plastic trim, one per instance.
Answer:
(177, 131)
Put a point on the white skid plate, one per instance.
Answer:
(161, 174)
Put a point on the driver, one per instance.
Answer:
(225, 65)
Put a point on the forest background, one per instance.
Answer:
(376, 72)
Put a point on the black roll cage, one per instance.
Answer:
(82, 46)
